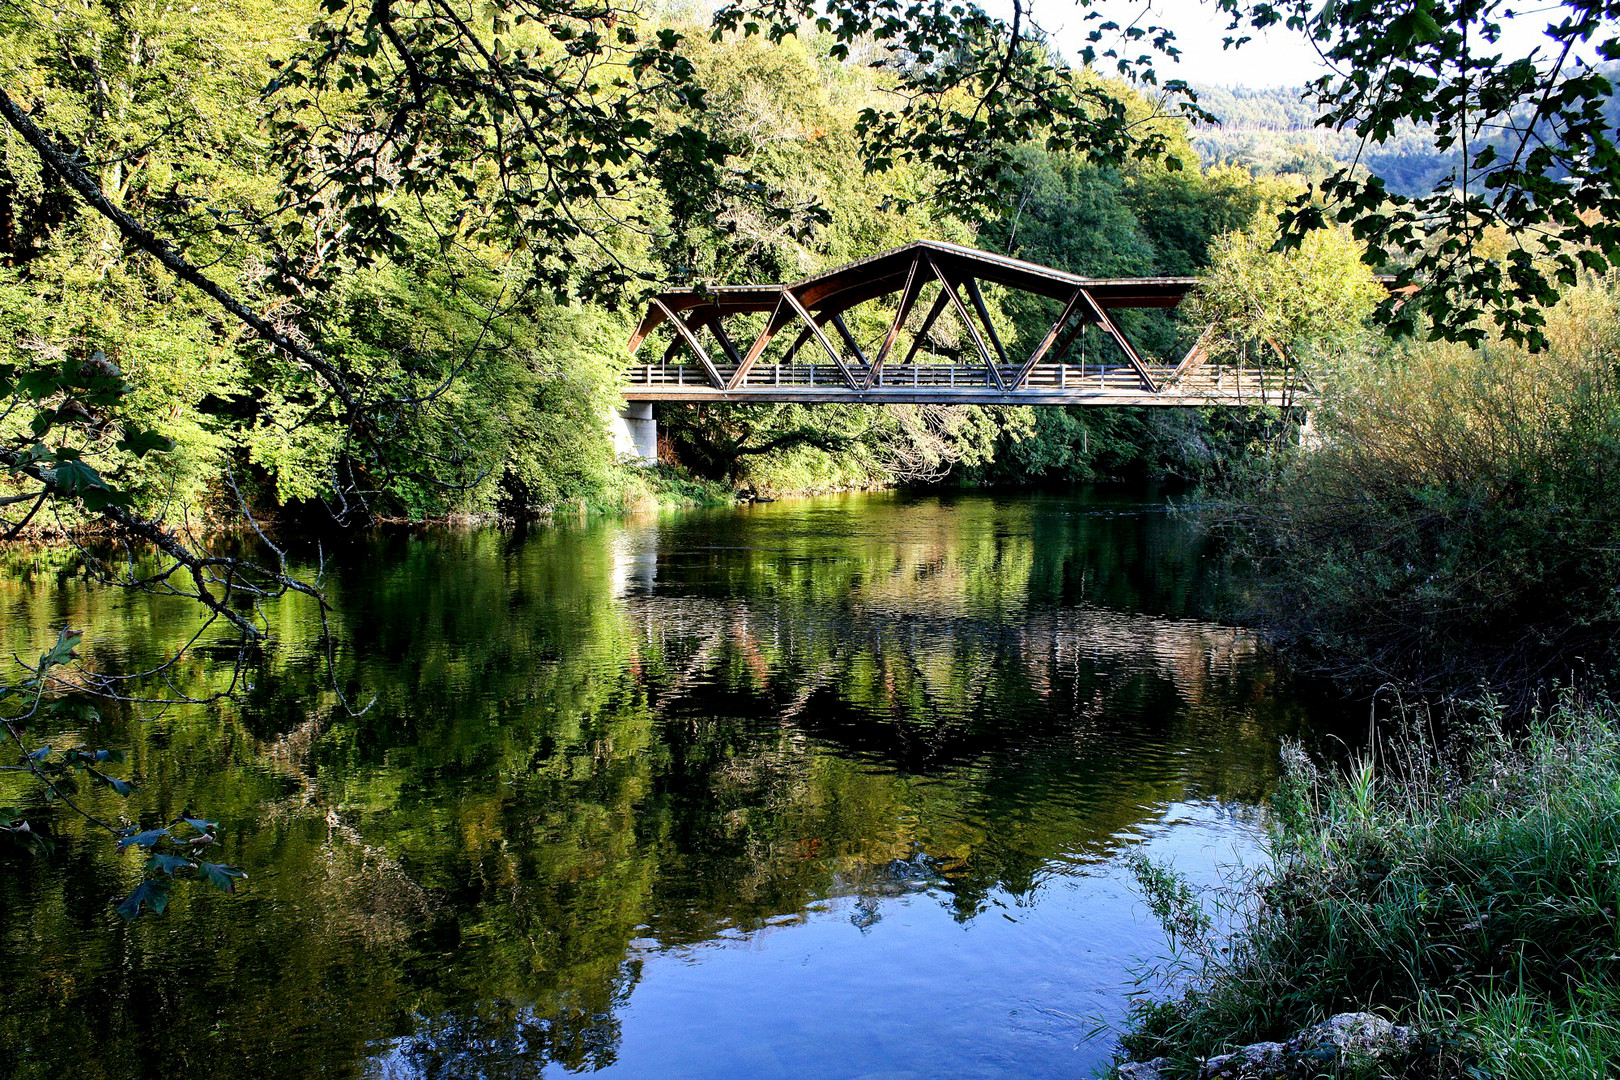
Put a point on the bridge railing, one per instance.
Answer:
(1259, 383)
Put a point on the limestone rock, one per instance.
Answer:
(1357, 1035)
(1257, 1061)
(1141, 1070)
(1339, 1040)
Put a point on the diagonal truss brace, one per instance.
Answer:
(779, 318)
(972, 285)
(1069, 308)
(809, 321)
(712, 320)
(1104, 320)
(949, 291)
(849, 339)
(908, 300)
(1196, 356)
(932, 317)
(696, 320)
(686, 332)
(843, 331)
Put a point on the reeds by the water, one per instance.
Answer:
(1454, 525)
(1469, 889)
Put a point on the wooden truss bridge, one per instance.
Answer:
(840, 367)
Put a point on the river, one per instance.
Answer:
(827, 788)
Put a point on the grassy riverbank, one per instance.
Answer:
(1469, 891)
(1454, 526)
(660, 487)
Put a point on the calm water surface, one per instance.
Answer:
(822, 789)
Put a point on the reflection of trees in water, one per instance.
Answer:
(570, 761)
(505, 1040)
(1003, 748)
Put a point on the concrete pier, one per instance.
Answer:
(635, 431)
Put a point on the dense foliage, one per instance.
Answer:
(1536, 156)
(371, 273)
(440, 338)
(1455, 525)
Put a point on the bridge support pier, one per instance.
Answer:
(1309, 437)
(635, 431)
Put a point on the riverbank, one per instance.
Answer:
(1467, 891)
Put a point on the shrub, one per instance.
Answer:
(1456, 521)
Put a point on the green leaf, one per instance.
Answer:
(20, 831)
(144, 839)
(79, 710)
(96, 499)
(200, 824)
(40, 383)
(168, 864)
(151, 894)
(62, 651)
(221, 876)
(141, 442)
(75, 477)
(123, 787)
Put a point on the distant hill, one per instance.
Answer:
(1271, 132)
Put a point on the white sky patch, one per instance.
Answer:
(1280, 57)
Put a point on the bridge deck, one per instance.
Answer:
(1046, 384)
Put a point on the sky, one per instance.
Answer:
(1280, 58)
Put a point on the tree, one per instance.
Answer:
(1536, 150)
(974, 88)
(75, 405)
(1270, 304)
(1535, 145)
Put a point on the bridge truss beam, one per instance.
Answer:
(1045, 377)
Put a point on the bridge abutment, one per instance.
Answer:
(635, 431)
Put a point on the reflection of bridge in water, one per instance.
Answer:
(800, 648)
(919, 618)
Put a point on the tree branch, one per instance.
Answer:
(64, 165)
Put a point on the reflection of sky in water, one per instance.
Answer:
(892, 986)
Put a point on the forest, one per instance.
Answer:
(515, 381)
(1273, 131)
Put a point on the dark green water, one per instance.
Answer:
(821, 789)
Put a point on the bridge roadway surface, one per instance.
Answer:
(888, 374)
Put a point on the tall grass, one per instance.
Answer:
(1471, 892)
(1458, 523)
